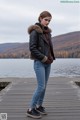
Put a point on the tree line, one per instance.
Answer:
(58, 54)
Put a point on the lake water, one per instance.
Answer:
(24, 68)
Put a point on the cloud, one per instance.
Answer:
(17, 15)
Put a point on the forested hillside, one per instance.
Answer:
(65, 46)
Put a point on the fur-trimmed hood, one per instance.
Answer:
(37, 28)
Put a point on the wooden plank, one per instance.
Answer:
(62, 100)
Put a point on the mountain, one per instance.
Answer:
(65, 46)
(14, 50)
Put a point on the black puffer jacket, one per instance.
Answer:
(38, 45)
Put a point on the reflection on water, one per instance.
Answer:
(66, 67)
(24, 68)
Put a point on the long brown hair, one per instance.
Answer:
(44, 14)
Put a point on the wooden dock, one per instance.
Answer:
(62, 99)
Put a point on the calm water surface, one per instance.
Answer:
(24, 68)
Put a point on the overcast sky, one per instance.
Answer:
(17, 15)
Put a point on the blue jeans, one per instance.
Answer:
(42, 71)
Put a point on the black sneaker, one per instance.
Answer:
(33, 113)
(41, 110)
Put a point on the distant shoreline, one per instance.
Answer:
(17, 79)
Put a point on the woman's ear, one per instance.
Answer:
(40, 19)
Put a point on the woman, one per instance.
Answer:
(42, 52)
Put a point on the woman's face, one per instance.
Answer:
(45, 21)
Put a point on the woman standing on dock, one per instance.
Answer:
(42, 52)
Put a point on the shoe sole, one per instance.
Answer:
(35, 117)
(41, 112)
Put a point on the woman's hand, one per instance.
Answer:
(49, 61)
